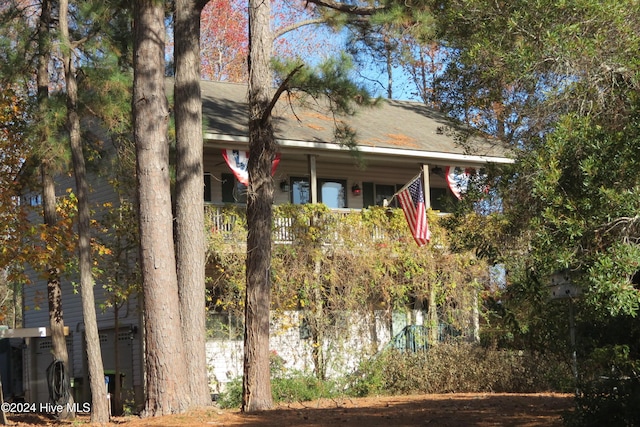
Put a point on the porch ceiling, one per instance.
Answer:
(396, 130)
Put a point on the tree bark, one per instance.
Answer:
(256, 394)
(3, 416)
(99, 404)
(190, 242)
(167, 391)
(54, 290)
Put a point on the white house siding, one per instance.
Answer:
(361, 337)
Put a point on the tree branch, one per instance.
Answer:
(282, 31)
(626, 228)
(349, 8)
(283, 86)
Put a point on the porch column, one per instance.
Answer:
(313, 178)
(425, 185)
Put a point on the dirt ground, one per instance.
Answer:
(479, 410)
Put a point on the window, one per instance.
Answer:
(233, 191)
(376, 194)
(442, 199)
(331, 192)
(224, 325)
(33, 199)
(385, 192)
(300, 193)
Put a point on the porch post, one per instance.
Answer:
(432, 313)
(313, 178)
(425, 185)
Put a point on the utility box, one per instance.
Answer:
(561, 286)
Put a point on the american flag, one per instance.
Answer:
(411, 198)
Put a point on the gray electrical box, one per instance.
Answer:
(561, 286)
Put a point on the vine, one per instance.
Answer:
(329, 265)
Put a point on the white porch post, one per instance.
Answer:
(313, 179)
(425, 185)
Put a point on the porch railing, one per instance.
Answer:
(230, 222)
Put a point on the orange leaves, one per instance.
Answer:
(224, 41)
(40, 246)
(13, 150)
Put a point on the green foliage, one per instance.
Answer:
(331, 85)
(608, 280)
(366, 259)
(608, 401)
(287, 387)
(564, 71)
(331, 78)
(232, 396)
(115, 248)
(301, 387)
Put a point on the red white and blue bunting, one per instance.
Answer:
(238, 161)
(458, 179)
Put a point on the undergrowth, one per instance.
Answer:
(445, 368)
(458, 368)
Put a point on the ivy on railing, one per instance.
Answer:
(326, 263)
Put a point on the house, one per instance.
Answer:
(396, 141)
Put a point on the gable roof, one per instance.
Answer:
(395, 128)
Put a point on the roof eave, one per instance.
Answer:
(232, 141)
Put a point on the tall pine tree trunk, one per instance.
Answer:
(190, 242)
(262, 147)
(54, 296)
(54, 289)
(167, 390)
(99, 404)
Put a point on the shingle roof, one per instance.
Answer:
(400, 125)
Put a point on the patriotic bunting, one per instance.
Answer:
(458, 179)
(238, 161)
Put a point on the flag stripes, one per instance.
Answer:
(411, 198)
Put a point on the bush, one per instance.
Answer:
(610, 402)
(231, 397)
(300, 387)
(445, 368)
(290, 387)
(458, 367)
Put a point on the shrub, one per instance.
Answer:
(610, 402)
(300, 387)
(231, 397)
(458, 367)
(293, 386)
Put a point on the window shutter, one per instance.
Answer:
(368, 196)
(207, 187)
(228, 184)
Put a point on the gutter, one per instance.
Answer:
(233, 141)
